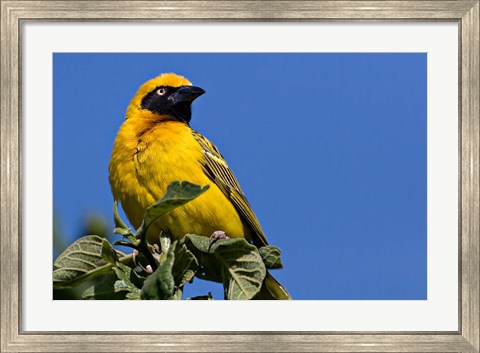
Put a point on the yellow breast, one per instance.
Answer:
(147, 156)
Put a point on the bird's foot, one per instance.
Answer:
(218, 235)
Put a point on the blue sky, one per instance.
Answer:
(330, 150)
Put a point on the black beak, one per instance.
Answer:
(185, 94)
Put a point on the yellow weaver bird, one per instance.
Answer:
(156, 146)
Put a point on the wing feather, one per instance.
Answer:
(216, 168)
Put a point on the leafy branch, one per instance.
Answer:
(161, 272)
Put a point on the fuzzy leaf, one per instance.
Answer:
(161, 284)
(79, 262)
(233, 262)
(119, 223)
(82, 261)
(185, 266)
(243, 268)
(165, 243)
(134, 295)
(103, 290)
(123, 232)
(202, 244)
(200, 247)
(178, 193)
(271, 257)
(177, 295)
(109, 255)
(128, 280)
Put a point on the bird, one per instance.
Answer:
(155, 146)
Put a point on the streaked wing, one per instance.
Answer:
(217, 169)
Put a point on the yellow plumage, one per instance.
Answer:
(156, 146)
(141, 171)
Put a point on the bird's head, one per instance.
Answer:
(168, 96)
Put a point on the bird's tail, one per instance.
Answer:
(272, 290)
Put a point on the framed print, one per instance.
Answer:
(353, 128)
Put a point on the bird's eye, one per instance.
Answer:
(161, 91)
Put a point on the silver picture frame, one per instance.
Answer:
(15, 13)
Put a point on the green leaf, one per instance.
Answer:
(134, 296)
(103, 290)
(184, 267)
(177, 295)
(132, 292)
(209, 269)
(178, 193)
(79, 262)
(108, 253)
(243, 268)
(233, 262)
(271, 257)
(127, 288)
(119, 223)
(128, 280)
(123, 232)
(165, 242)
(82, 261)
(200, 243)
(161, 284)
(121, 227)
(177, 268)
